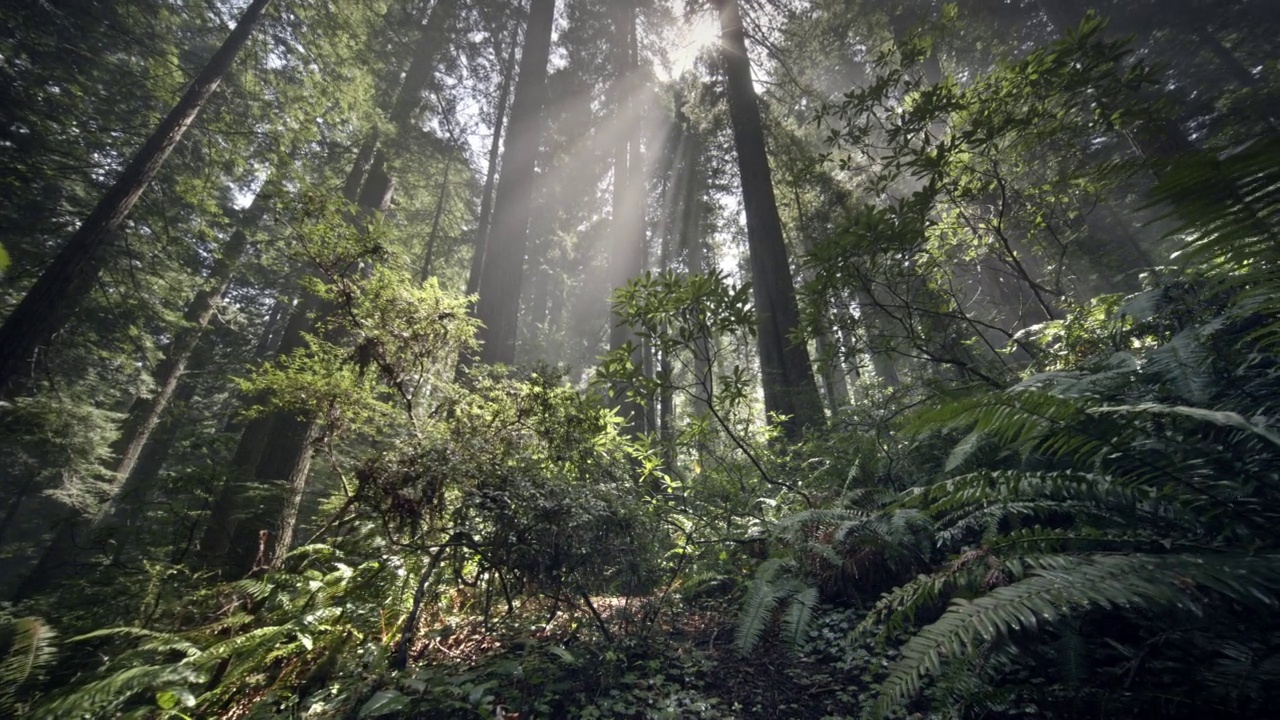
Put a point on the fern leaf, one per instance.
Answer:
(1216, 417)
(1063, 586)
(31, 648)
(757, 612)
(798, 617)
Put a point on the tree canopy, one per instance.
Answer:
(639, 359)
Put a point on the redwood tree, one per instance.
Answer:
(501, 276)
(787, 375)
(62, 287)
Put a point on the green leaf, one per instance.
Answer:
(173, 697)
(167, 699)
(384, 702)
(563, 654)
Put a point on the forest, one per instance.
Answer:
(516, 359)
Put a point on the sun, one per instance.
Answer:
(692, 37)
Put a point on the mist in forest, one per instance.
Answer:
(639, 359)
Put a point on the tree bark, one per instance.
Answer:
(219, 540)
(62, 287)
(666, 397)
(689, 232)
(786, 373)
(79, 536)
(83, 533)
(79, 541)
(500, 280)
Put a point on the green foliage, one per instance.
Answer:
(29, 648)
(1055, 495)
(280, 632)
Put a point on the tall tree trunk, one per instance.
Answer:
(540, 298)
(130, 506)
(500, 280)
(491, 175)
(1157, 140)
(789, 388)
(1234, 69)
(666, 397)
(627, 236)
(78, 537)
(689, 229)
(282, 461)
(146, 412)
(434, 235)
(360, 168)
(62, 287)
(1226, 59)
(81, 540)
(834, 384)
(379, 186)
(217, 539)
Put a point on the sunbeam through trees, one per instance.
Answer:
(727, 359)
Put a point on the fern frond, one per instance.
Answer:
(900, 607)
(1221, 418)
(1184, 365)
(798, 617)
(1063, 586)
(1023, 420)
(31, 648)
(757, 612)
(154, 641)
(101, 697)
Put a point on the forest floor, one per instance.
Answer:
(656, 662)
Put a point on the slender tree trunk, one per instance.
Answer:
(886, 367)
(281, 461)
(24, 490)
(80, 541)
(1234, 69)
(360, 168)
(297, 485)
(82, 533)
(130, 507)
(883, 357)
(77, 537)
(491, 175)
(434, 235)
(146, 412)
(627, 237)
(834, 384)
(218, 540)
(500, 282)
(379, 186)
(1226, 59)
(689, 227)
(666, 397)
(273, 328)
(1157, 140)
(540, 299)
(62, 287)
(789, 388)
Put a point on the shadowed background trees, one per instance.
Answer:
(337, 334)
